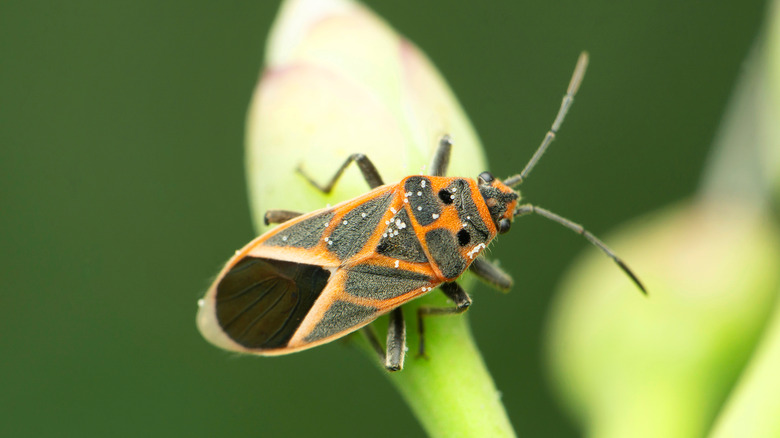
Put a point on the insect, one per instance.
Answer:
(322, 275)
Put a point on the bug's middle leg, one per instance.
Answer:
(457, 295)
(393, 357)
(367, 168)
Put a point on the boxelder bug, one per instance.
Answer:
(321, 275)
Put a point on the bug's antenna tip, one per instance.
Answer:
(631, 274)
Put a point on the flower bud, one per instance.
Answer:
(662, 365)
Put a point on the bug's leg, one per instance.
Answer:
(396, 341)
(393, 358)
(441, 159)
(490, 273)
(453, 292)
(367, 168)
(279, 216)
(373, 340)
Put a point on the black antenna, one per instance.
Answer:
(514, 181)
(568, 99)
(577, 228)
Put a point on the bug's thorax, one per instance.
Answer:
(450, 218)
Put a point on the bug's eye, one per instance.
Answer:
(445, 196)
(463, 237)
(485, 178)
(504, 225)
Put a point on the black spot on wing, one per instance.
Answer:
(444, 249)
(399, 241)
(261, 302)
(423, 203)
(355, 228)
(379, 282)
(305, 234)
(341, 317)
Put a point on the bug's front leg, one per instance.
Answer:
(393, 357)
(367, 168)
(491, 274)
(454, 292)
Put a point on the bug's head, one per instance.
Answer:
(500, 198)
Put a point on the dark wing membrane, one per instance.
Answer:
(261, 302)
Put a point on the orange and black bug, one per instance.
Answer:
(319, 276)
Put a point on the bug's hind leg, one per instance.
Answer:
(396, 341)
(457, 295)
(367, 168)
(393, 357)
(279, 216)
(441, 159)
(373, 340)
(491, 274)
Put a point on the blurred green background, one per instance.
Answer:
(122, 192)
